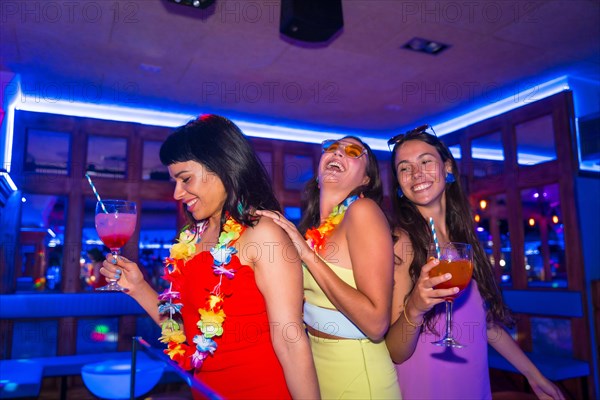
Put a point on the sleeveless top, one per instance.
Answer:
(245, 365)
(320, 313)
(448, 373)
(313, 292)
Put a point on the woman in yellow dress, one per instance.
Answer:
(348, 273)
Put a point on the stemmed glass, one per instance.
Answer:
(457, 259)
(115, 223)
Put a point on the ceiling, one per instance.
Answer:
(231, 58)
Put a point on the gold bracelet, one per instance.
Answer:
(406, 317)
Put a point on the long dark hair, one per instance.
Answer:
(219, 145)
(372, 190)
(406, 217)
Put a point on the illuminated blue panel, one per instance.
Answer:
(293, 214)
(34, 339)
(564, 303)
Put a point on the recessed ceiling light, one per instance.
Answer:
(425, 46)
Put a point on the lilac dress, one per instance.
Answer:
(435, 372)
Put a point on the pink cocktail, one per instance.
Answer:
(115, 222)
(115, 229)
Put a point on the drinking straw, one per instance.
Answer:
(96, 193)
(435, 239)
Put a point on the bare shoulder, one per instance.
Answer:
(263, 238)
(264, 231)
(363, 210)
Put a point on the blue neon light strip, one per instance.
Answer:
(104, 112)
(172, 120)
(10, 127)
(534, 93)
(9, 180)
(165, 119)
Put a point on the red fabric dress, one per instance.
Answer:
(244, 366)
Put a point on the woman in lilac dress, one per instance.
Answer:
(426, 187)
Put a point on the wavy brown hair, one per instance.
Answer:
(408, 219)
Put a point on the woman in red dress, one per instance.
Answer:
(233, 312)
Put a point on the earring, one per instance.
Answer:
(240, 207)
(450, 178)
(399, 193)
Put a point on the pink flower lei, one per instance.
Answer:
(212, 315)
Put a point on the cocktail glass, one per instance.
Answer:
(115, 223)
(457, 259)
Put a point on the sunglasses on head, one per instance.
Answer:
(413, 132)
(352, 150)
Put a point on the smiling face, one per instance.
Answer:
(338, 169)
(200, 189)
(421, 172)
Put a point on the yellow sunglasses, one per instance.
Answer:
(352, 150)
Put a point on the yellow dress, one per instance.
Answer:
(348, 368)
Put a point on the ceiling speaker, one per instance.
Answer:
(311, 20)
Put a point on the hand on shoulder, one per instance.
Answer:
(273, 233)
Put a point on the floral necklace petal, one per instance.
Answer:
(212, 315)
(316, 237)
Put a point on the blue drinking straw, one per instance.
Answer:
(435, 239)
(96, 193)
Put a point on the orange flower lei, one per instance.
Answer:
(316, 237)
(212, 315)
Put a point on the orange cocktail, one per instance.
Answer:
(461, 271)
(456, 259)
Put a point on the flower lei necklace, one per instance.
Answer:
(316, 237)
(212, 315)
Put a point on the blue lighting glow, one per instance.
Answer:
(260, 130)
(533, 93)
(104, 112)
(10, 126)
(144, 245)
(172, 120)
(485, 153)
(11, 183)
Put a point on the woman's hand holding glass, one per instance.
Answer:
(125, 271)
(424, 296)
